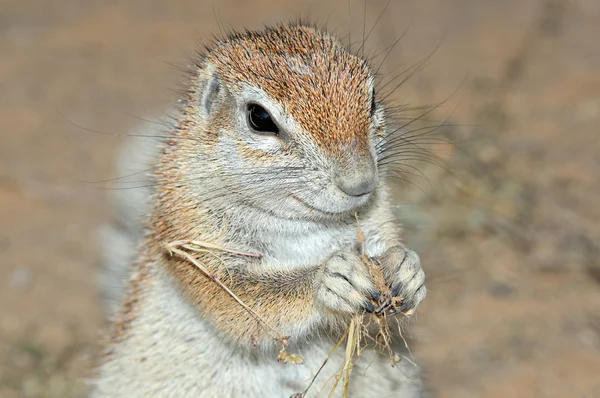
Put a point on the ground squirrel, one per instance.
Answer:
(278, 145)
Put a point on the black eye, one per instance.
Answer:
(260, 120)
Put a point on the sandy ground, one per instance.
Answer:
(507, 228)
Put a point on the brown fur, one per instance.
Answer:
(267, 60)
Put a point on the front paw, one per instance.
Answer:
(345, 285)
(402, 268)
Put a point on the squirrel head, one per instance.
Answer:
(287, 120)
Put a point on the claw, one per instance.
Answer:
(369, 307)
(376, 295)
(406, 306)
(405, 313)
(383, 307)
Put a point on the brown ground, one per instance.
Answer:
(509, 238)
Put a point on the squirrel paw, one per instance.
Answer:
(346, 285)
(402, 267)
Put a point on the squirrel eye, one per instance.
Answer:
(260, 120)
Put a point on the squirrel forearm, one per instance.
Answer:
(281, 302)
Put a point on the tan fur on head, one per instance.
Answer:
(324, 87)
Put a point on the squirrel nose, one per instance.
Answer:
(357, 180)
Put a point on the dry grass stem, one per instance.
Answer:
(357, 332)
(179, 248)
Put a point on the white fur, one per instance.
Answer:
(195, 361)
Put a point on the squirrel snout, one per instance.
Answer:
(355, 180)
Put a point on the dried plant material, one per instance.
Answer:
(201, 246)
(396, 358)
(352, 352)
(179, 248)
(357, 334)
(286, 357)
(379, 279)
(339, 343)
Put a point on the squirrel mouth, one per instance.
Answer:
(316, 209)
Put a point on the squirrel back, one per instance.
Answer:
(129, 205)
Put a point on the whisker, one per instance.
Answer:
(419, 172)
(376, 22)
(390, 49)
(410, 183)
(116, 179)
(159, 137)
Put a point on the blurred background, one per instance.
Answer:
(507, 222)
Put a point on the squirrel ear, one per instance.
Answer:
(209, 88)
